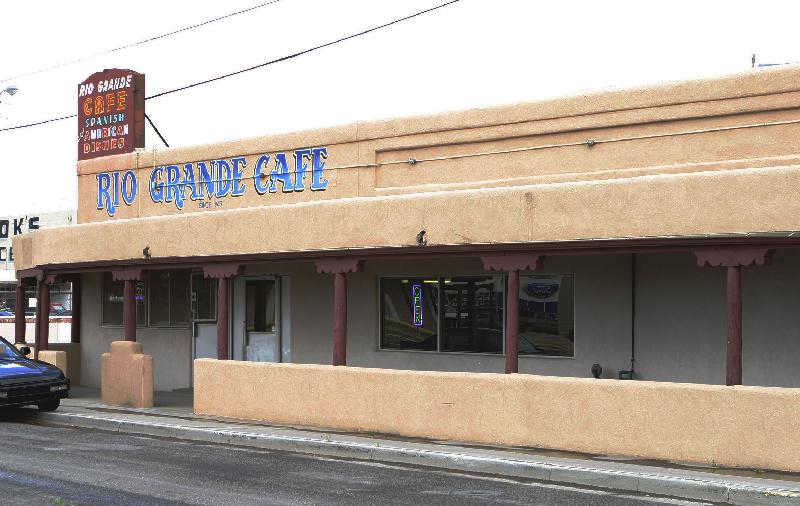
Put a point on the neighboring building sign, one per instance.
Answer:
(110, 113)
(201, 181)
(14, 225)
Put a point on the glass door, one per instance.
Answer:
(204, 316)
(261, 340)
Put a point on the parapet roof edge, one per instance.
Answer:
(751, 83)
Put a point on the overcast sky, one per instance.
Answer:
(473, 53)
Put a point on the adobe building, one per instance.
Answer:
(652, 231)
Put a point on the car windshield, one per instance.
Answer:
(7, 351)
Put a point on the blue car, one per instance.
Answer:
(25, 381)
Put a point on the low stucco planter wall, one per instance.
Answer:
(740, 426)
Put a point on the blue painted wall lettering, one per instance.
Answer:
(216, 179)
(129, 187)
(157, 185)
(301, 168)
(260, 178)
(111, 185)
(317, 182)
(224, 178)
(239, 165)
(281, 173)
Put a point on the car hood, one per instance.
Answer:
(15, 371)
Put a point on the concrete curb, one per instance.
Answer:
(714, 490)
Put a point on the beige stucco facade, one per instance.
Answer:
(616, 191)
(668, 421)
(715, 156)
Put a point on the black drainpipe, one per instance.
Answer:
(629, 374)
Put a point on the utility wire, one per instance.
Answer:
(305, 51)
(283, 58)
(145, 41)
(588, 143)
(37, 123)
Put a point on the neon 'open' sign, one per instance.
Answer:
(417, 292)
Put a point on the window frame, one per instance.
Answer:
(440, 282)
(574, 312)
(215, 305)
(148, 297)
(439, 326)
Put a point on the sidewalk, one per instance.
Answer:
(173, 417)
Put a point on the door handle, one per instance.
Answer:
(244, 340)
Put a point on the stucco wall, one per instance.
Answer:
(170, 348)
(681, 317)
(514, 174)
(723, 202)
(669, 421)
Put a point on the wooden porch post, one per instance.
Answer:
(512, 323)
(129, 310)
(222, 319)
(222, 272)
(340, 267)
(733, 374)
(129, 276)
(44, 322)
(37, 327)
(340, 320)
(19, 314)
(513, 263)
(734, 260)
(75, 329)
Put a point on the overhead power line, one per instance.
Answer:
(305, 51)
(271, 62)
(139, 43)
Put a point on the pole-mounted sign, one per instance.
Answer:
(110, 113)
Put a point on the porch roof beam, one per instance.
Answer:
(558, 248)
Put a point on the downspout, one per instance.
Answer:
(629, 374)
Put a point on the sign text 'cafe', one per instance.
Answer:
(216, 179)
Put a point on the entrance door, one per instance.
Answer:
(262, 341)
(203, 317)
(260, 320)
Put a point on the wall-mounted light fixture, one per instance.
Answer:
(11, 90)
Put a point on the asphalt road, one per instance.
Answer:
(41, 465)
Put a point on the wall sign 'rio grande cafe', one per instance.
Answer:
(110, 113)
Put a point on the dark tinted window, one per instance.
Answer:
(410, 314)
(547, 315)
(473, 312)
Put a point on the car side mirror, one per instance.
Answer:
(25, 350)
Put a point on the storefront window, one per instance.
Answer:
(180, 298)
(410, 314)
(204, 297)
(113, 292)
(547, 315)
(472, 317)
(157, 298)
